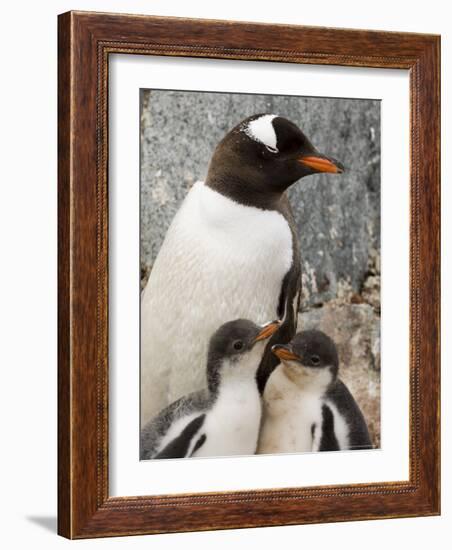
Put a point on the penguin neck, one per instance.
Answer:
(236, 393)
(309, 381)
(241, 191)
(230, 380)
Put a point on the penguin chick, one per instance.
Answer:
(306, 406)
(224, 419)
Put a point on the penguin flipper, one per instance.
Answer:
(328, 440)
(341, 397)
(289, 304)
(180, 445)
(199, 444)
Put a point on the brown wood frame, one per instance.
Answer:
(85, 41)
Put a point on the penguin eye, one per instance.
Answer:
(272, 149)
(238, 345)
(315, 359)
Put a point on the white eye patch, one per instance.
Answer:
(261, 129)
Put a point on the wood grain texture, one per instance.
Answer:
(85, 42)
(64, 295)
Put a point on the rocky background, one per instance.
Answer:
(338, 217)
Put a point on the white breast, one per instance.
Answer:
(289, 414)
(232, 426)
(220, 261)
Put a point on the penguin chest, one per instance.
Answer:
(232, 425)
(224, 258)
(239, 256)
(290, 427)
(290, 417)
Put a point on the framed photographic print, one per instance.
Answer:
(248, 275)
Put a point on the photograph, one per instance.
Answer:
(260, 274)
(248, 272)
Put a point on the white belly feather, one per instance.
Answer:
(232, 426)
(219, 261)
(289, 414)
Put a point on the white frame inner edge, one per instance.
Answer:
(130, 476)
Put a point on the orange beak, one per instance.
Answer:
(322, 164)
(284, 352)
(268, 330)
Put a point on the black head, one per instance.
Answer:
(261, 157)
(235, 350)
(311, 349)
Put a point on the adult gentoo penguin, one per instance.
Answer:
(224, 418)
(230, 252)
(307, 407)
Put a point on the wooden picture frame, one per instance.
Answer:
(85, 42)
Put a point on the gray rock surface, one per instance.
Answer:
(338, 216)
